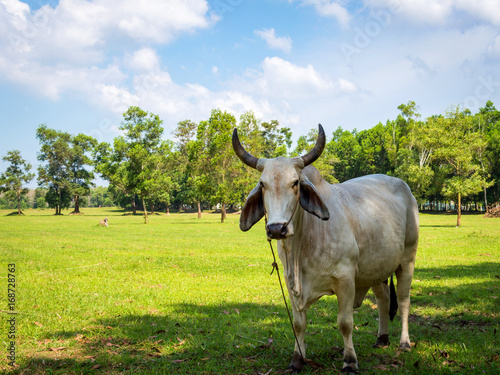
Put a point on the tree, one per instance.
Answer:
(325, 164)
(80, 161)
(39, 193)
(259, 139)
(345, 147)
(160, 184)
(41, 203)
(488, 120)
(135, 163)
(374, 157)
(67, 166)
(110, 164)
(16, 174)
(55, 173)
(101, 196)
(221, 159)
(58, 198)
(410, 112)
(457, 145)
(413, 163)
(186, 156)
(142, 143)
(198, 171)
(276, 141)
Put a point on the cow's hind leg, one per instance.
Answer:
(404, 276)
(345, 291)
(382, 294)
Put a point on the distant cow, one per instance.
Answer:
(338, 239)
(104, 222)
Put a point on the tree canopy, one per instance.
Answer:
(16, 175)
(66, 167)
(453, 158)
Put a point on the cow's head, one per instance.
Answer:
(282, 186)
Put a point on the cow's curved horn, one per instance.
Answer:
(315, 153)
(244, 156)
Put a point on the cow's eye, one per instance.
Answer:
(295, 183)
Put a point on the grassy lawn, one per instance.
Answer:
(192, 296)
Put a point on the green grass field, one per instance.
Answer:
(183, 295)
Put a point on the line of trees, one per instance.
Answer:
(449, 158)
(99, 196)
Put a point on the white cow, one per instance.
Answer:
(338, 239)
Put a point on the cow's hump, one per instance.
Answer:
(312, 174)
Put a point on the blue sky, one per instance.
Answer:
(78, 65)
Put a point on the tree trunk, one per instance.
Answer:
(77, 205)
(145, 211)
(58, 207)
(485, 201)
(168, 209)
(223, 213)
(459, 210)
(152, 208)
(199, 210)
(19, 202)
(132, 204)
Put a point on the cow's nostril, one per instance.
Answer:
(276, 231)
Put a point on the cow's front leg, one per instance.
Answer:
(345, 290)
(299, 325)
(382, 294)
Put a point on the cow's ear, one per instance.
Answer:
(311, 201)
(253, 210)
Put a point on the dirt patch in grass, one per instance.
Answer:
(493, 212)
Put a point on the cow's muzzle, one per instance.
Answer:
(278, 231)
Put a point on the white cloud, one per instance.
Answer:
(53, 51)
(347, 86)
(442, 12)
(53, 82)
(330, 8)
(281, 78)
(73, 49)
(278, 90)
(159, 21)
(144, 59)
(273, 41)
(487, 10)
(494, 47)
(15, 12)
(79, 31)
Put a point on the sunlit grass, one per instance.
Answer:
(188, 295)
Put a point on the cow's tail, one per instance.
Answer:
(393, 307)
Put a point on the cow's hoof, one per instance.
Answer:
(382, 341)
(350, 368)
(406, 346)
(297, 363)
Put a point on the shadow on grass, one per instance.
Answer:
(452, 213)
(439, 226)
(222, 339)
(252, 338)
(453, 286)
(15, 213)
